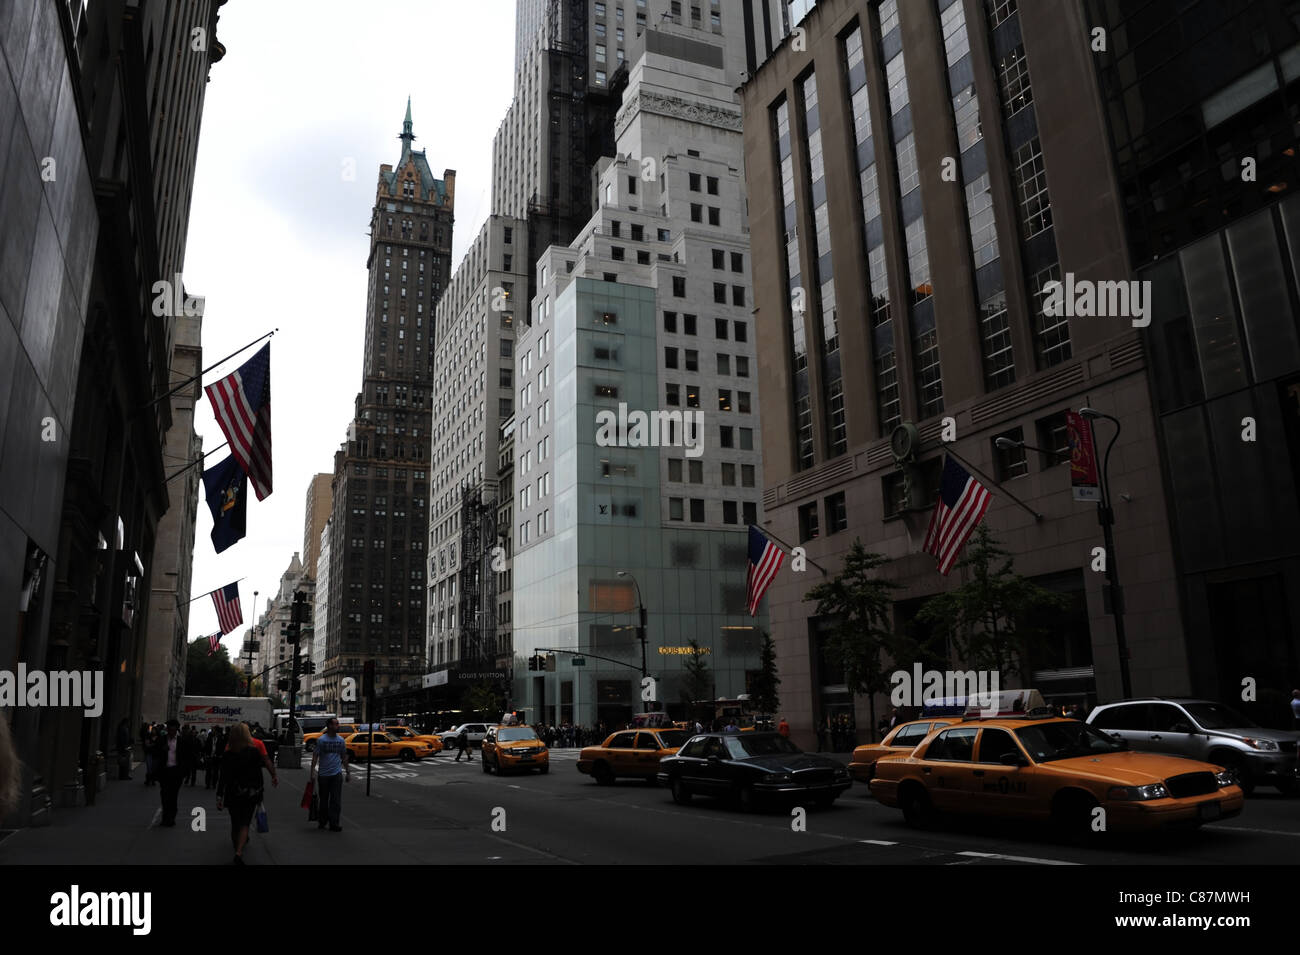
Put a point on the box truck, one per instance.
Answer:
(205, 711)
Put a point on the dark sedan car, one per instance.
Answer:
(752, 769)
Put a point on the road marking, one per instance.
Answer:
(1267, 832)
(877, 842)
(1006, 858)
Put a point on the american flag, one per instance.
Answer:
(214, 641)
(242, 404)
(765, 560)
(229, 616)
(961, 505)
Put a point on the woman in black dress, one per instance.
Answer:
(239, 786)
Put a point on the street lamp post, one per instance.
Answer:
(640, 607)
(1106, 518)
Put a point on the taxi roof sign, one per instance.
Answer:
(1004, 703)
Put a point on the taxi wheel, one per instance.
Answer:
(311, 746)
(603, 775)
(1072, 814)
(406, 755)
(681, 795)
(918, 812)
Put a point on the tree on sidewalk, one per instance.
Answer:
(988, 618)
(482, 698)
(697, 682)
(859, 606)
(211, 675)
(763, 690)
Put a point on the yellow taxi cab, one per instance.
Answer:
(1016, 760)
(309, 739)
(406, 733)
(900, 741)
(514, 747)
(634, 753)
(385, 747)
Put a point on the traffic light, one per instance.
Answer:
(282, 684)
(299, 609)
(532, 662)
(551, 663)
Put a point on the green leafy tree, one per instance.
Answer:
(697, 683)
(763, 690)
(211, 675)
(861, 637)
(988, 619)
(482, 698)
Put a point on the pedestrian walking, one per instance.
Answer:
(1295, 708)
(462, 746)
(240, 787)
(169, 767)
(213, 750)
(783, 728)
(331, 755)
(146, 746)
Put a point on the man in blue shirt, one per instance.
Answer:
(331, 754)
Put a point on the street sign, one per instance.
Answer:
(579, 661)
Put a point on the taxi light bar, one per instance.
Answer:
(1005, 703)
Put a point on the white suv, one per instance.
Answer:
(475, 732)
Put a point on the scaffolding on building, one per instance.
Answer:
(478, 581)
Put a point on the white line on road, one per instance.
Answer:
(1006, 858)
(877, 842)
(1267, 832)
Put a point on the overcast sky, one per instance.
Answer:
(278, 237)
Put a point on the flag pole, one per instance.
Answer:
(214, 590)
(791, 549)
(947, 449)
(194, 378)
(192, 464)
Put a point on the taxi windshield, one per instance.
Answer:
(1064, 740)
(741, 747)
(1216, 716)
(673, 738)
(511, 734)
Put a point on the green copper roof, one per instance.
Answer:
(428, 182)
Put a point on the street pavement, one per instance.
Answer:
(441, 812)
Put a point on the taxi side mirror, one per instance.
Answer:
(1013, 759)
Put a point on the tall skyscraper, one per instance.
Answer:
(377, 571)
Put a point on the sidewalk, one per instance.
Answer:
(122, 829)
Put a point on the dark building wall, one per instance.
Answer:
(82, 346)
(1048, 135)
(1194, 101)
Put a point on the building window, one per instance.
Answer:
(726, 436)
(737, 262)
(1054, 439)
(670, 322)
(724, 399)
(697, 212)
(724, 364)
(672, 395)
(695, 471)
(670, 357)
(692, 359)
(808, 529)
(697, 511)
(715, 215)
(742, 366)
(995, 339)
(837, 515)
(1013, 78)
(719, 259)
(675, 508)
(720, 298)
(675, 470)
(679, 289)
(1051, 332)
(1030, 177)
(692, 396)
(730, 513)
(728, 474)
(693, 181)
(688, 324)
(738, 296)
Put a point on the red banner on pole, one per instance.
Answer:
(1083, 459)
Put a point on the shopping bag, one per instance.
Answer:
(313, 814)
(307, 793)
(262, 824)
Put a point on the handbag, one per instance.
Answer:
(308, 793)
(262, 824)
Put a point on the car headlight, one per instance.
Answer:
(1137, 793)
(1267, 745)
(540, 750)
(1225, 779)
